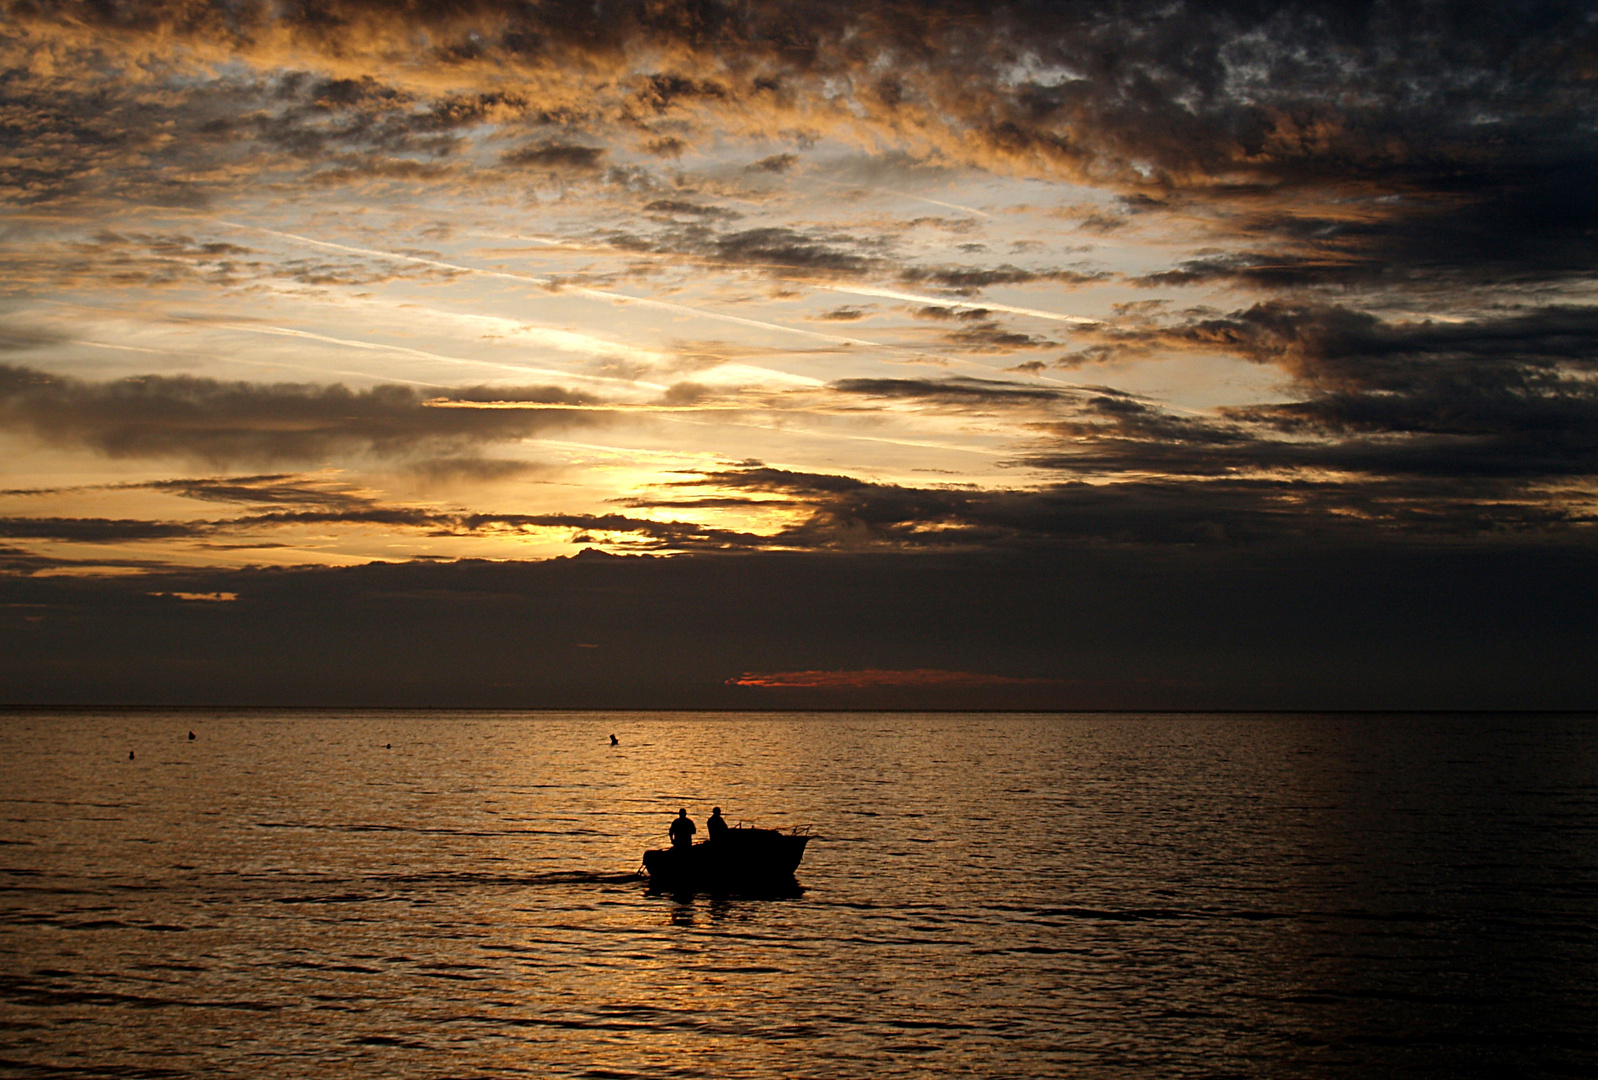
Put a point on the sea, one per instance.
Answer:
(456, 894)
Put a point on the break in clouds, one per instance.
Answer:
(1172, 274)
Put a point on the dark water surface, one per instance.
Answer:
(990, 895)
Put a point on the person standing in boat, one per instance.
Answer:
(682, 830)
(716, 827)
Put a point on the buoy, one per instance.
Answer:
(130, 755)
(615, 741)
(191, 736)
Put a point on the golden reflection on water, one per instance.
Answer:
(408, 894)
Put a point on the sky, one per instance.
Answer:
(758, 354)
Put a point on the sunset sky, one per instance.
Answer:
(1049, 354)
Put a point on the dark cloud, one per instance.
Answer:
(376, 168)
(1509, 394)
(843, 314)
(1329, 142)
(619, 529)
(1514, 223)
(1506, 626)
(1347, 159)
(776, 163)
(771, 248)
(662, 91)
(264, 489)
(945, 314)
(1224, 510)
(1261, 270)
(650, 533)
(969, 280)
(471, 468)
(827, 253)
(222, 422)
(91, 530)
(666, 146)
(681, 208)
(788, 249)
(1338, 347)
(717, 502)
(989, 337)
(950, 391)
(556, 157)
(115, 530)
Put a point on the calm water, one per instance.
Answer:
(991, 895)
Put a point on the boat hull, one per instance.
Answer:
(740, 861)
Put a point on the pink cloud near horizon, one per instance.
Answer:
(874, 677)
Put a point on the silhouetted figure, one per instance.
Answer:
(191, 736)
(615, 741)
(716, 827)
(682, 830)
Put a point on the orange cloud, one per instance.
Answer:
(872, 677)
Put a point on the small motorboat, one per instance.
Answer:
(741, 860)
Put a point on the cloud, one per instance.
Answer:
(650, 533)
(616, 530)
(1504, 394)
(990, 337)
(92, 530)
(15, 338)
(771, 248)
(555, 157)
(1193, 510)
(1514, 223)
(950, 391)
(822, 253)
(1505, 626)
(1350, 162)
(843, 314)
(969, 280)
(1332, 346)
(872, 678)
(785, 248)
(471, 469)
(223, 422)
(682, 208)
(1321, 143)
(776, 163)
(263, 489)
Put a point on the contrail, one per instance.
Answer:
(552, 284)
(858, 290)
(938, 301)
(284, 331)
(119, 348)
(906, 195)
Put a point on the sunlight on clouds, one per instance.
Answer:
(436, 252)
